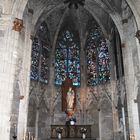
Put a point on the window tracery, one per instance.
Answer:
(67, 61)
(40, 55)
(97, 56)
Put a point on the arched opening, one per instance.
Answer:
(67, 57)
(87, 96)
(74, 61)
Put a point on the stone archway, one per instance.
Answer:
(15, 64)
(12, 64)
(21, 65)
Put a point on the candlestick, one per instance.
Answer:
(14, 137)
(26, 137)
(29, 135)
(15, 129)
(15, 132)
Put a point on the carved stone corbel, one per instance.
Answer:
(18, 24)
(138, 35)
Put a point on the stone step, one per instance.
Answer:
(74, 139)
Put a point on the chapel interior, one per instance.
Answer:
(70, 69)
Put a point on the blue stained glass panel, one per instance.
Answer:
(40, 55)
(44, 65)
(35, 59)
(103, 62)
(98, 63)
(67, 59)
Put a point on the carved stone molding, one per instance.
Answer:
(137, 100)
(74, 3)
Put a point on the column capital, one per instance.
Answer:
(138, 35)
(137, 100)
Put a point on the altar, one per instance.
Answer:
(70, 131)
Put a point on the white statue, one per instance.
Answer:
(70, 99)
(59, 136)
(84, 136)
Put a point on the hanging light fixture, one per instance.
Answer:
(74, 3)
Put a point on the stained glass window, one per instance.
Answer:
(67, 61)
(98, 64)
(40, 54)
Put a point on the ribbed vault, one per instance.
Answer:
(55, 14)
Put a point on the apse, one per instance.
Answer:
(73, 55)
(69, 69)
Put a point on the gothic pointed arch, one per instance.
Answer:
(97, 56)
(40, 54)
(67, 56)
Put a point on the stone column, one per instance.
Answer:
(24, 50)
(124, 126)
(134, 120)
(131, 66)
(8, 58)
(51, 86)
(131, 62)
(105, 120)
(36, 123)
(112, 46)
(83, 88)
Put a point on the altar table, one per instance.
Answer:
(70, 131)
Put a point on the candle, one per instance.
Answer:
(15, 129)
(29, 135)
(26, 137)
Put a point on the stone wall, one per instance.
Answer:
(15, 54)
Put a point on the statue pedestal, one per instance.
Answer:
(70, 131)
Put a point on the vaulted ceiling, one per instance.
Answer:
(56, 13)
